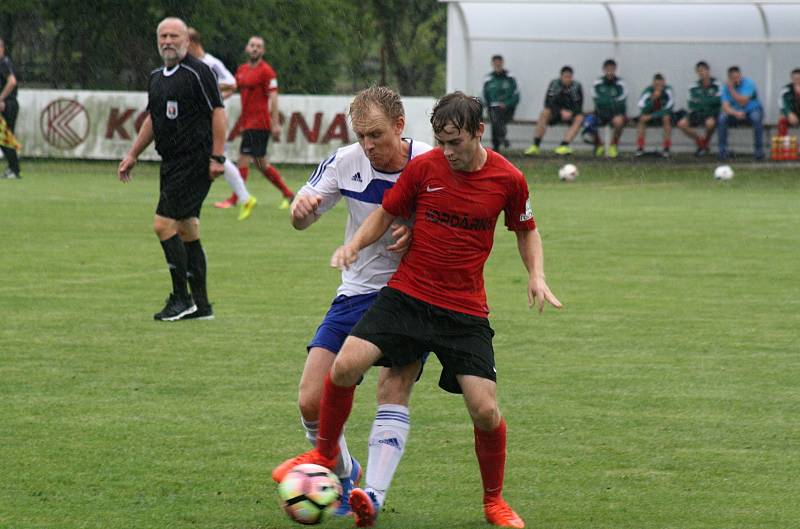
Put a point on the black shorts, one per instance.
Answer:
(555, 116)
(658, 121)
(184, 185)
(696, 119)
(254, 143)
(405, 329)
(10, 113)
(604, 117)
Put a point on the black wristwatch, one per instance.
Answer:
(218, 159)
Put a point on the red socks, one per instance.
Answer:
(274, 176)
(667, 144)
(640, 142)
(333, 413)
(490, 447)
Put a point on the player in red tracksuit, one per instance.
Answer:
(258, 87)
(436, 300)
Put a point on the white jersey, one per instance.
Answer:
(348, 173)
(224, 76)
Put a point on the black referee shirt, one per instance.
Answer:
(181, 100)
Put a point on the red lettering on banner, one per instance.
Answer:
(337, 130)
(116, 122)
(298, 121)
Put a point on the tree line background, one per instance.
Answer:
(316, 46)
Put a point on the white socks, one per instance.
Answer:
(344, 464)
(234, 179)
(387, 442)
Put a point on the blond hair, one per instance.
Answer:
(381, 97)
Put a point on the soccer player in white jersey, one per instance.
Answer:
(360, 173)
(227, 86)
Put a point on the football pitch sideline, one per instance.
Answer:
(663, 396)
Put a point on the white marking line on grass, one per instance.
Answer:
(87, 281)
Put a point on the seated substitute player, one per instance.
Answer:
(227, 86)
(610, 96)
(361, 173)
(704, 105)
(436, 300)
(790, 104)
(655, 107)
(740, 105)
(562, 104)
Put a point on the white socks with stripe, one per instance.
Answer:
(234, 179)
(387, 442)
(344, 464)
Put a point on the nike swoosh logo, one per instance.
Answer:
(432, 189)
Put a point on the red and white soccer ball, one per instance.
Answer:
(568, 173)
(310, 493)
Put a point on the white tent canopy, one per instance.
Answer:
(537, 38)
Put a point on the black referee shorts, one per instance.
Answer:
(405, 329)
(184, 186)
(254, 143)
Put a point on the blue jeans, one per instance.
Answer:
(755, 118)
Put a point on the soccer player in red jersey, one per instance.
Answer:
(257, 83)
(436, 300)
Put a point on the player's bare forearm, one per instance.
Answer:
(530, 249)
(529, 244)
(372, 228)
(370, 231)
(274, 114)
(219, 125)
(143, 139)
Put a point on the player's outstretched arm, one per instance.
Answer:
(143, 139)
(304, 210)
(370, 231)
(530, 249)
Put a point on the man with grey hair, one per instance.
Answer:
(186, 119)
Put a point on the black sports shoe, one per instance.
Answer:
(202, 313)
(176, 308)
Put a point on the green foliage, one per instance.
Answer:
(316, 46)
(663, 396)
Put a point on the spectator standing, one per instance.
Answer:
(655, 107)
(9, 108)
(740, 105)
(562, 104)
(704, 106)
(501, 94)
(610, 101)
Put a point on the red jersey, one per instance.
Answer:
(455, 214)
(255, 83)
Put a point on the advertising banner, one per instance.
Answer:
(102, 125)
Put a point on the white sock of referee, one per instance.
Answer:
(387, 442)
(344, 464)
(234, 179)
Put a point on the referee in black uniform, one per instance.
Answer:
(187, 120)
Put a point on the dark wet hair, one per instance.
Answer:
(566, 69)
(497, 57)
(734, 69)
(796, 70)
(462, 111)
(609, 62)
(658, 77)
(704, 64)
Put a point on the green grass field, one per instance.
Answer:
(664, 395)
